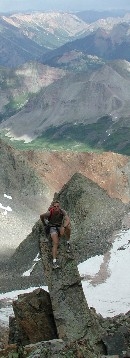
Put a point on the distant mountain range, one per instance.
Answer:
(108, 40)
(80, 100)
(26, 37)
(90, 16)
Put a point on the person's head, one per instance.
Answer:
(56, 205)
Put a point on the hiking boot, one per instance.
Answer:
(68, 250)
(55, 265)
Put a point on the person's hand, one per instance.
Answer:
(62, 230)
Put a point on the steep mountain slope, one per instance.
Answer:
(94, 218)
(15, 47)
(21, 198)
(49, 29)
(108, 39)
(86, 108)
(26, 37)
(17, 85)
(110, 171)
(29, 180)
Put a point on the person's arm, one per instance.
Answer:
(45, 216)
(66, 219)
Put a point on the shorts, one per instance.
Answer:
(55, 229)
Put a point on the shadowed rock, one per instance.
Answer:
(34, 318)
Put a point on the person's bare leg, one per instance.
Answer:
(67, 235)
(67, 232)
(55, 243)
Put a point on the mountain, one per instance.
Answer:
(29, 180)
(15, 47)
(18, 85)
(47, 36)
(26, 37)
(49, 29)
(84, 110)
(107, 39)
(91, 211)
(90, 16)
(95, 217)
(88, 107)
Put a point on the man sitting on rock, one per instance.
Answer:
(59, 225)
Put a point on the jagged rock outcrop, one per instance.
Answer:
(94, 218)
(94, 215)
(73, 319)
(72, 316)
(116, 342)
(34, 320)
(117, 334)
(81, 332)
(115, 339)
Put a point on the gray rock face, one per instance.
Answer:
(72, 316)
(94, 215)
(71, 319)
(94, 218)
(79, 329)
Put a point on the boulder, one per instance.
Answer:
(34, 318)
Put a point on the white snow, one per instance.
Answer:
(5, 207)
(109, 296)
(28, 272)
(7, 196)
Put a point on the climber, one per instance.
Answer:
(59, 225)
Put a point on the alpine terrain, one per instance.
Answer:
(65, 135)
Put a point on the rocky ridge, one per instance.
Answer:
(94, 218)
(113, 334)
(111, 171)
(31, 178)
(80, 196)
(79, 328)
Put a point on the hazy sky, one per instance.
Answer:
(63, 5)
